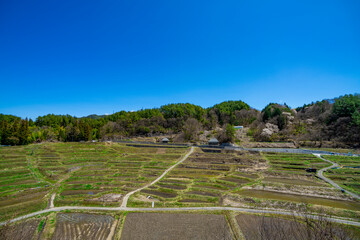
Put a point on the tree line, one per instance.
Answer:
(169, 118)
(325, 120)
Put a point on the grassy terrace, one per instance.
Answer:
(99, 174)
(293, 164)
(348, 175)
(102, 171)
(94, 174)
(286, 179)
(243, 179)
(201, 180)
(21, 191)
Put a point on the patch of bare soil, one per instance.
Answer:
(146, 199)
(210, 194)
(179, 187)
(235, 180)
(79, 192)
(175, 226)
(304, 190)
(236, 201)
(22, 231)
(82, 226)
(160, 150)
(160, 194)
(186, 200)
(268, 145)
(111, 197)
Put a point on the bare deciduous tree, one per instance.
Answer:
(192, 128)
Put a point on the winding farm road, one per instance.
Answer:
(321, 175)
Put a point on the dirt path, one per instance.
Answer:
(112, 230)
(126, 197)
(57, 185)
(321, 176)
(52, 200)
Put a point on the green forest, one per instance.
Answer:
(328, 120)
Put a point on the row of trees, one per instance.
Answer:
(339, 120)
(171, 118)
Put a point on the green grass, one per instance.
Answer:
(201, 180)
(77, 172)
(21, 191)
(347, 176)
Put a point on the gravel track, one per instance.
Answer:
(321, 175)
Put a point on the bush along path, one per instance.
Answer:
(321, 176)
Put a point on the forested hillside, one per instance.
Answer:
(337, 120)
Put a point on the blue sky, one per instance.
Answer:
(84, 57)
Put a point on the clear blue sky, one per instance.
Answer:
(84, 57)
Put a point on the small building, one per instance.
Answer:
(213, 141)
(238, 127)
(165, 140)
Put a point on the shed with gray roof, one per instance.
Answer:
(213, 141)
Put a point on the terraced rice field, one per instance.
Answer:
(286, 180)
(293, 164)
(290, 170)
(99, 173)
(21, 191)
(96, 174)
(175, 226)
(202, 179)
(348, 175)
(82, 226)
(344, 204)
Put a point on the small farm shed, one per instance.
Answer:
(213, 141)
(165, 140)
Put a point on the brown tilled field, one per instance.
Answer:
(82, 226)
(255, 227)
(22, 231)
(175, 226)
